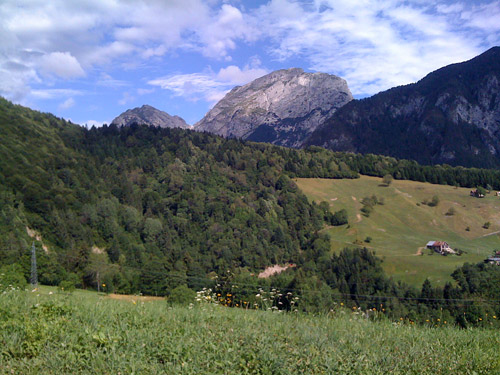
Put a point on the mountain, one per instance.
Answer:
(151, 116)
(282, 107)
(451, 116)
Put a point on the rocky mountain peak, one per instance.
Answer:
(282, 107)
(151, 116)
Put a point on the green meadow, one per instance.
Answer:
(401, 227)
(46, 332)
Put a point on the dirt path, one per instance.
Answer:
(490, 234)
(126, 297)
(419, 251)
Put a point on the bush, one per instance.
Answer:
(67, 286)
(434, 202)
(368, 239)
(181, 295)
(387, 179)
(339, 218)
(487, 225)
(12, 277)
(450, 212)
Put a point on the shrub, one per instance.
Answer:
(339, 218)
(486, 225)
(368, 239)
(434, 202)
(181, 295)
(387, 179)
(450, 212)
(12, 277)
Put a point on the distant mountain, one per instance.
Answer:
(451, 116)
(282, 107)
(151, 116)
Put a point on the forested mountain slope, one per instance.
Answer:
(451, 116)
(138, 204)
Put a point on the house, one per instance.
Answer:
(493, 260)
(440, 247)
(497, 194)
(475, 193)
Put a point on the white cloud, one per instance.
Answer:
(61, 64)
(54, 93)
(145, 91)
(68, 103)
(208, 86)
(373, 44)
(95, 123)
(73, 37)
(126, 98)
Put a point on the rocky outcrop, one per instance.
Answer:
(147, 115)
(452, 116)
(283, 107)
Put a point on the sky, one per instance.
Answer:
(90, 60)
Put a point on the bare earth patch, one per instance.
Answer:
(358, 218)
(353, 198)
(419, 251)
(269, 271)
(127, 297)
(333, 199)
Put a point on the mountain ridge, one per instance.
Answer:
(452, 116)
(282, 107)
(151, 116)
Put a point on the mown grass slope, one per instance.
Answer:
(402, 226)
(86, 333)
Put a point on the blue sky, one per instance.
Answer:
(90, 60)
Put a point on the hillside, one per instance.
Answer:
(402, 226)
(89, 333)
(451, 116)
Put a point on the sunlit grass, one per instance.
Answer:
(85, 333)
(403, 225)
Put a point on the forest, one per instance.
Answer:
(151, 210)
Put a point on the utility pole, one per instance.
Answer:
(34, 274)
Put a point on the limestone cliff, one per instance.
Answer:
(282, 107)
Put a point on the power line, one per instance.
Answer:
(250, 287)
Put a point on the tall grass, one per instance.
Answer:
(85, 333)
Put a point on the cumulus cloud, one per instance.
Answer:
(68, 103)
(72, 37)
(97, 124)
(375, 44)
(208, 86)
(61, 64)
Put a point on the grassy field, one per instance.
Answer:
(402, 226)
(86, 333)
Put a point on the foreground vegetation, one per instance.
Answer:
(83, 333)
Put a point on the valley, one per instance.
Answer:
(402, 226)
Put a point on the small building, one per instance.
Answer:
(440, 247)
(493, 260)
(497, 194)
(475, 193)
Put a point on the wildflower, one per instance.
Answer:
(341, 303)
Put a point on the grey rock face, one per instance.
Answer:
(147, 115)
(283, 107)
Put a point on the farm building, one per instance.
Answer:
(493, 260)
(440, 247)
(476, 193)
